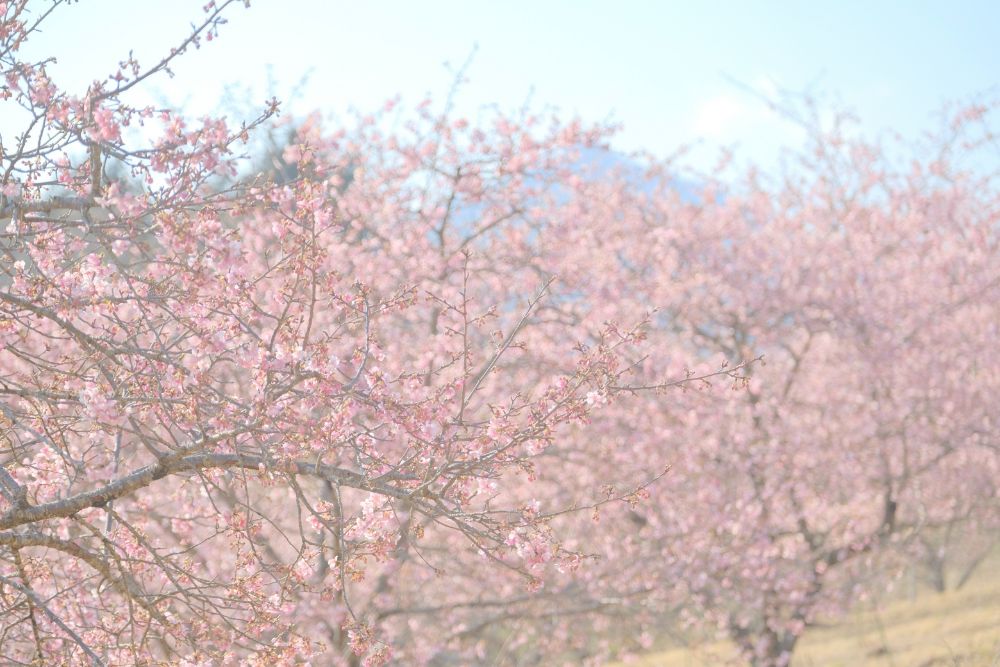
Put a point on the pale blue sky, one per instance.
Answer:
(660, 68)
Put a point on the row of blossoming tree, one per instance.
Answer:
(456, 393)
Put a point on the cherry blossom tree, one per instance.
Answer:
(268, 420)
(873, 293)
(414, 393)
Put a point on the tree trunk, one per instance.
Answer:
(767, 648)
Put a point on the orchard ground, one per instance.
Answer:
(915, 627)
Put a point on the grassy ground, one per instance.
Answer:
(956, 628)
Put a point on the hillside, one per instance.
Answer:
(956, 628)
